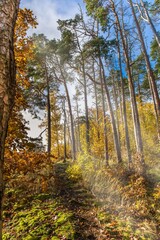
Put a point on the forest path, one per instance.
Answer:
(81, 203)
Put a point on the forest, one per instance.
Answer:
(93, 172)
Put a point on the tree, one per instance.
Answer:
(151, 76)
(42, 80)
(56, 125)
(123, 100)
(17, 136)
(8, 15)
(61, 53)
(146, 17)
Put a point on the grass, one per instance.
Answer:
(129, 201)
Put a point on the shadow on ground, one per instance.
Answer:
(81, 203)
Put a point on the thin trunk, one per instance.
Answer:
(8, 15)
(139, 90)
(114, 129)
(104, 117)
(72, 123)
(69, 141)
(78, 128)
(150, 73)
(124, 105)
(116, 106)
(71, 115)
(85, 94)
(135, 115)
(149, 20)
(86, 108)
(64, 136)
(48, 116)
(58, 151)
(119, 93)
(96, 98)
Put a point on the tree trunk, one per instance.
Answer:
(113, 123)
(86, 107)
(96, 98)
(116, 105)
(149, 20)
(73, 144)
(124, 105)
(72, 123)
(150, 73)
(58, 150)
(64, 136)
(78, 127)
(85, 93)
(104, 117)
(135, 115)
(48, 115)
(8, 14)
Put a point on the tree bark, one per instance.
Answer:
(64, 126)
(135, 115)
(48, 115)
(78, 127)
(85, 93)
(149, 20)
(116, 105)
(8, 15)
(150, 73)
(72, 124)
(113, 123)
(104, 117)
(127, 140)
(96, 99)
(86, 107)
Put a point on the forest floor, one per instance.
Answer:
(83, 205)
(63, 210)
(52, 201)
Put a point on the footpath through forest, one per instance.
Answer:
(82, 204)
(48, 204)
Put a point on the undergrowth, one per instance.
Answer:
(128, 204)
(129, 200)
(44, 218)
(32, 211)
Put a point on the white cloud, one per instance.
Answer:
(48, 12)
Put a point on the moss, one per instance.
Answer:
(42, 220)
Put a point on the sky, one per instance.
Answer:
(47, 13)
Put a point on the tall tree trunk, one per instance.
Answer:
(150, 73)
(135, 115)
(58, 150)
(86, 106)
(96, 98)
(69, 141)
(72, 123)
(113, 123)
(116, 105)
(78, 127)
(149, 20)
(73, 144)
(48, 115)
(127, 140)
(85, 93)
(8, 15)
(64, 136)
(104, 116)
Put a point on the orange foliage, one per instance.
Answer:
(23, 48)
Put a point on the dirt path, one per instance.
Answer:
(81, 203)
